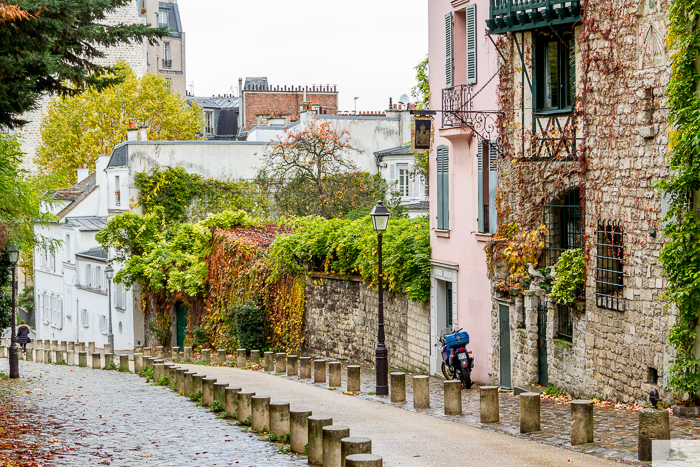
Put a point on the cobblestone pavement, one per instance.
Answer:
(93, 418)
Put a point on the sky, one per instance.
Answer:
(368, 48)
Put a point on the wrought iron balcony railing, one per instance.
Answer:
(167, 63)
(457, 113)
(520, 15)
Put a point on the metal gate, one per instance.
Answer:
(504, 328)
(542, 371)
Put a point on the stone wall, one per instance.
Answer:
(341, 323)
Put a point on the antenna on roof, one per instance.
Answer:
(191, 86)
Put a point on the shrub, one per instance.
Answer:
(248, 320)
(570, 276)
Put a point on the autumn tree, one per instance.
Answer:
(76, 129)
(310, 172)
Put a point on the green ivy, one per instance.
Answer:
(248, 320)
(569, 277)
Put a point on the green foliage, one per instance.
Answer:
(349, 248)
(200, 337)
(146, 373)
(216, 406)
(114, 367)
(570, 274)
(554, 391)
(164, 381)
(245, 422)
(196, 396)
(248, 319)
(160, 327)
(421, 91)
(26, 298)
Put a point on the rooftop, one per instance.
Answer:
(87, 223)
(98, 254)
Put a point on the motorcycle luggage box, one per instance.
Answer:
(456, 340)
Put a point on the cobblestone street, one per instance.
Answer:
(92, 418)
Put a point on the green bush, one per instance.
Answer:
(199, 337)
(569, 277)
(164, 381)
(216, 406)
(248, 319)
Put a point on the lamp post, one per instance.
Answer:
(109, 273)
(13, 256)
(380, 219)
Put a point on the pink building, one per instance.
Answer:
(463, 69)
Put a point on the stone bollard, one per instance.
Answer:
(90, 348)
(175, 354)
(488, 403)
(96, 361)
(421, 392)
(453, 397)
(292, 365)
(332, 435)
(260, 417)
(221, 356)
(334, 372)
(39, 358)
(298, 430)
(180, 380)
(208, 391)
(353, 384)
(3, 352)
(255, 356)
(172, 376)
(653, 426)
(279, 418)
(109, 361)
(54, 346)
(30, 353)
(305, 368)
(158, 371)
(241, 360)
(319, 371)
(138, 362)
(148, 362)
(280, 362)
(206, 356)
(350, 446)
(146, 352)
(269, 361)
(107, 349)
(82, 359)
(315, 449)
(398, 387)
(48, 355)
(159, 351)
(124, 363)
(231, 403)
(189, 384)
(220, 393)
(81, 347)
(245, 406)
(188, 354)
(363, 460)
(63, 346)
(60, 356)
(529, 412)
(138, 349)
(197, 384)
(581, 422)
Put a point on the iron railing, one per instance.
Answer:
(518, 15)
(167, 63)
(457, 113)
(565, 324)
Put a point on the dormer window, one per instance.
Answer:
(163, 19)
(117, 191)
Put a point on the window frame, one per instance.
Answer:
(610, 267)
(163, 13)
(403, 176)
(566, 74)
(570, 207)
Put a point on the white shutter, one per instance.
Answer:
(471, 43)
(449, 51)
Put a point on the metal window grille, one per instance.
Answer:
(609, 273)
(564, 220)
(565, 325)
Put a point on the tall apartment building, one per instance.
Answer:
(167, 57)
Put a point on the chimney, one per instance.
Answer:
(143, 133)
(132, 132)
(83, 172)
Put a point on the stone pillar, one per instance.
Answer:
(398, 387)
(54, 345)
(138, 349)
(180, 383)
(63, 346)
(363, 460)
(488, 403)
(96, 361)
(255, 356)
(91, 348)
(453, 397)
(220, 393)
(315, 450)
(350, 446)
(298, 430)
(158, 371)
(208, 391)
(197, 384)
(421, 392)
(175, 354)
(109, 360)
(245, 405)
(332, 435)
(319, 371)
(189, 384)
(60, 356)
(334, 374)
(653, 425)
(206, 356)
(231, 404)
(149, 361)
(188, 354)
(529, 412)
(159, 351)
(172, 376)
(124, 363)
(260, 418)
(353, 383)
(107, 349)
(138, 362)
(221, 356)
(279, 418)
(269, 362)
(146, 352)
(292, 365)
(305, 368)
(241, 360)
(581, 422)
(82, 359)
(30, 352)
(39, 355)
(48, 357)
(280, 362)
(81, 348)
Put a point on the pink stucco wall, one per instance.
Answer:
(463, 247)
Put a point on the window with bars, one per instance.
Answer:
(609, 271)
(565, 325)
(563, 216)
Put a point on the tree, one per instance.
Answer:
(77, 129)
(310, 173)
(52, 46)
(421, 91)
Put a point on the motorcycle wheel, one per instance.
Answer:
(467, 379)
(446, 372)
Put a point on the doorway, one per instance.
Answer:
(181, 312)
(504, 333)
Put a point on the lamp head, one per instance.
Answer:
(109, 272)
(13, 253)
(380, 217)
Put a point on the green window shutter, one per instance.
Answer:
(480, 178)
(449, 51)
(471, 43)
(493, 185)
(443, 201)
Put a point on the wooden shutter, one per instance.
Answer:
(480, 178)
(471, 43)
(443, 173)
(493, 185)
(449, 51)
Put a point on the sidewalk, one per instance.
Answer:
(403, 437)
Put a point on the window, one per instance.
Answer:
(609, 272)
(51, 261)
(163, 19)
(169, 81)
(487, 186)
(85, 318)
(449, 51)
(443, 181)
(555, 71)
(403, 179)
(471, 43)
(103, 324)
(119, 297)
(563, 215)
(117, 191)
(167, 62)
(448, 304)
(57, 312)
(98, 278)
(67, 248)
(88, 275)
(565, 326)
(209, 123)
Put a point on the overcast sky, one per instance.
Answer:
(368, 48)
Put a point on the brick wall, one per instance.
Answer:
(341, 323)
(284, 102)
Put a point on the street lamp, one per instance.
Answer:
(109, 273)
(380, 219)
(13, 256)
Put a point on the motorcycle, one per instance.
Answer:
(457, 362)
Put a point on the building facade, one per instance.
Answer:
(166, 58)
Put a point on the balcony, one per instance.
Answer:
(167, 63)
(457, 113)
(522, 15)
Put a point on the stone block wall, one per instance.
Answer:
(341, 323)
